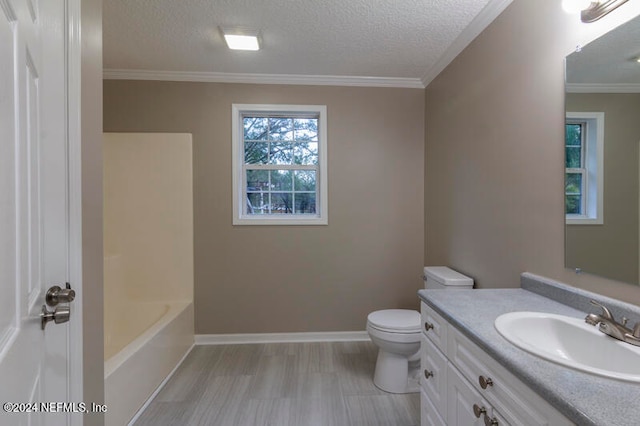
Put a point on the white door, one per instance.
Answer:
(34, 228)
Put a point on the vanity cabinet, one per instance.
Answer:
(461, 385)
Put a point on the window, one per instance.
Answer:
(584, 152)
(279, 164)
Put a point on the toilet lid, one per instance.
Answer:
(404, 320)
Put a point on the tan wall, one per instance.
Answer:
(494, 150)
(251, 279)
(611, 249)
(148, 218)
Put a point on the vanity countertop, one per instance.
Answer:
(583, 398)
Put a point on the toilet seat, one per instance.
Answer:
(395, 321)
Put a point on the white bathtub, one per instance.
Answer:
(126, 322)
(148, 265)
(144, 342)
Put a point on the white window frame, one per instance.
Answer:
(593, 191)
(240, 217)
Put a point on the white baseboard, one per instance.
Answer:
(236, 339)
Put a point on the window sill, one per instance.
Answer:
(276, 220)
(583, 220)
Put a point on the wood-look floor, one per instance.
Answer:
(280, 384)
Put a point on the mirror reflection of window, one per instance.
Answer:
(575, 168)
(584, 168)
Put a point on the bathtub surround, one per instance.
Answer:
(148, 265)
(288, 279)
(148, 223)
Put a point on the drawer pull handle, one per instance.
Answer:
(485, 382)
(427, 374)
(488, 421)
(428, 326)
(478, 410)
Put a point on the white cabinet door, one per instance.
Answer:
(461, 399)
(429, 416)
(433, 375)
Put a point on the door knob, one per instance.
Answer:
(57, 295)
(60, 315)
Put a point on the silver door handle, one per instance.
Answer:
(57, 295)
(60, 315)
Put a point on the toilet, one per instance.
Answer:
(396, 333)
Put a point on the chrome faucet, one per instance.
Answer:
(609, 326)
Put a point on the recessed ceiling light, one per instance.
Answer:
(241, 39)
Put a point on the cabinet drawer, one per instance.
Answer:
(433, 375)
(516, 403)
(429, 416)
(434, 326)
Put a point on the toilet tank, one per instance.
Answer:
(445, 278)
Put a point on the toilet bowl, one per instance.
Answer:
(396, 332)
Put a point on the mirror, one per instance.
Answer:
(602, 154)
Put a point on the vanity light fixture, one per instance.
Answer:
(591, 11)
(241, 39)
(575, 6)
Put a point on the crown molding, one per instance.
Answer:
(490, 12)
(218, 77)
(603, 88)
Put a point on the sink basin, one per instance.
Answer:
(571, 342)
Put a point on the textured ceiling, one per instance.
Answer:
(364, 38)
(609, 60)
